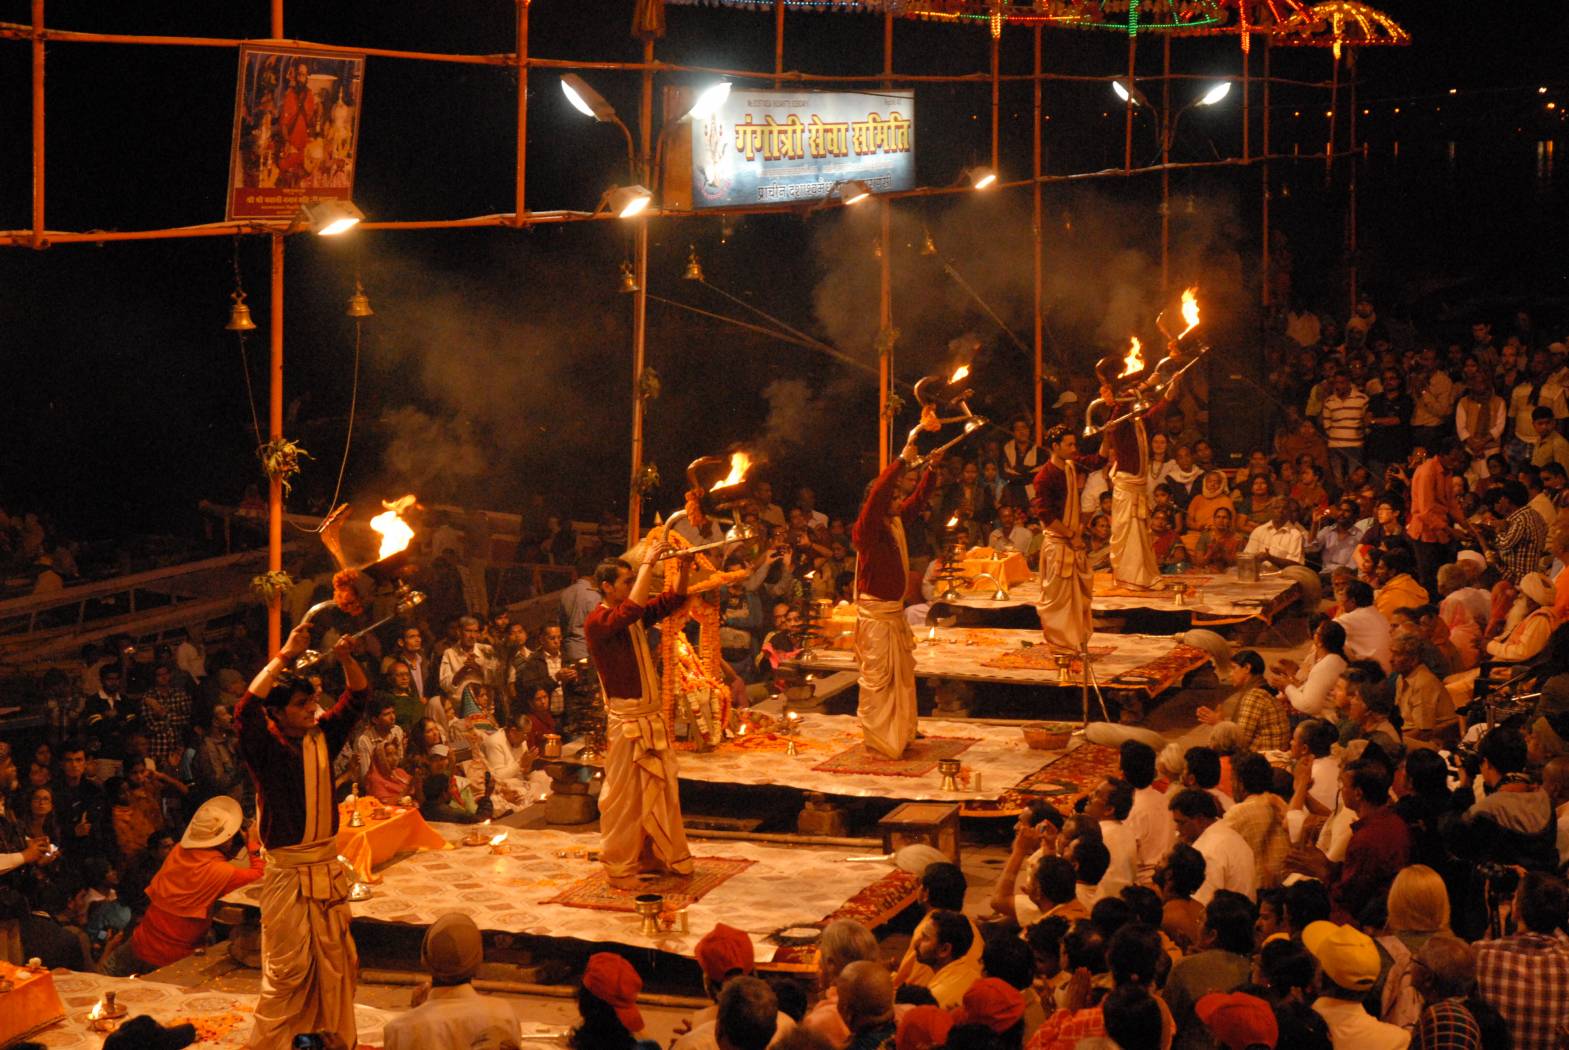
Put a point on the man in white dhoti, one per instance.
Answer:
(1125, 444)
(1067, 584)
(884, 643)
(640, 805)
(309, 962)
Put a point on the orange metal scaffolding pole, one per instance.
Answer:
(275, 414)
(38, 123)
(1038, 220)
(519, 208)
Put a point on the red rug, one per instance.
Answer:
(919, 759)
(678, 890)
(1074, 774)
(872, 906)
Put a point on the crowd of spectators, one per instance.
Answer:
(1366, 851)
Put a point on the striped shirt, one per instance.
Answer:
(1345, 419)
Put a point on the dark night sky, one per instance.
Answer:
(128, 400)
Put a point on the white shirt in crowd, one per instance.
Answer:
(1352, 1026)
(1286, 542)
(1123, 870)
(1228, 863)
(1367, 635)
(1153, 830)
(452, 1016)
(1309, 696)
(1325, 783)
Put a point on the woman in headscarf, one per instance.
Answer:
(1214, 495)
(1465, 633)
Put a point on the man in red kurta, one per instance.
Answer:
(1433, 509)
(884, 643)
(1067, 585)
(640, 805)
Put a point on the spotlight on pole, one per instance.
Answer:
(327, 218)
(982, 178)
(1129, 93)
(708, 100)
(627, 201)
(585, 99)
(854, 191)
(1216, 93)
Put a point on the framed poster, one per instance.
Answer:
(296, 131)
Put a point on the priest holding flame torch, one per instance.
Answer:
(884, 643)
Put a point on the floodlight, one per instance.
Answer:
(585, 99)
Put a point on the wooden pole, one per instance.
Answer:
(996, 97)
(38, 123)
(1165, 163)
(1334, 99)
(275, 410)
(275, 433)
(779, 38)
(519, 207)
(1247, 123)
(1039, 221)
(1127, 143)
(1263, 262)
(885, 285)
(645, 120)
(1351, 217)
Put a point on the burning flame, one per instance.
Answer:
(959, 373)
(740, 463)
(395, 532)
(496, 840)
(97, 1012)
(1133, 363)
(953, 521)
(1190, 310)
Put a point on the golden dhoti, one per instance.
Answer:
(1067, 590)
(1132, 554)
(640, 804)
(885, 651)
(309, 962)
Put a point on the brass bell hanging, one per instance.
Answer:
(239, 314)
(694, 269)
(359, 302)
(628, 280)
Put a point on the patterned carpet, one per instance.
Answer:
(1061, 782)
(679, 891)
(919, 759)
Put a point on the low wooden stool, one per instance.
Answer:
(935, 824)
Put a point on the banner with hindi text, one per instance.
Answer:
(779, 147)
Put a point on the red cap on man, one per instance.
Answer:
(923, 1028)
(723, 951)
(1238, 1021)
(993, 1002)
(612, 979)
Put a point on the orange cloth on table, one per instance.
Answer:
(30, 1005)
(378, 840)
